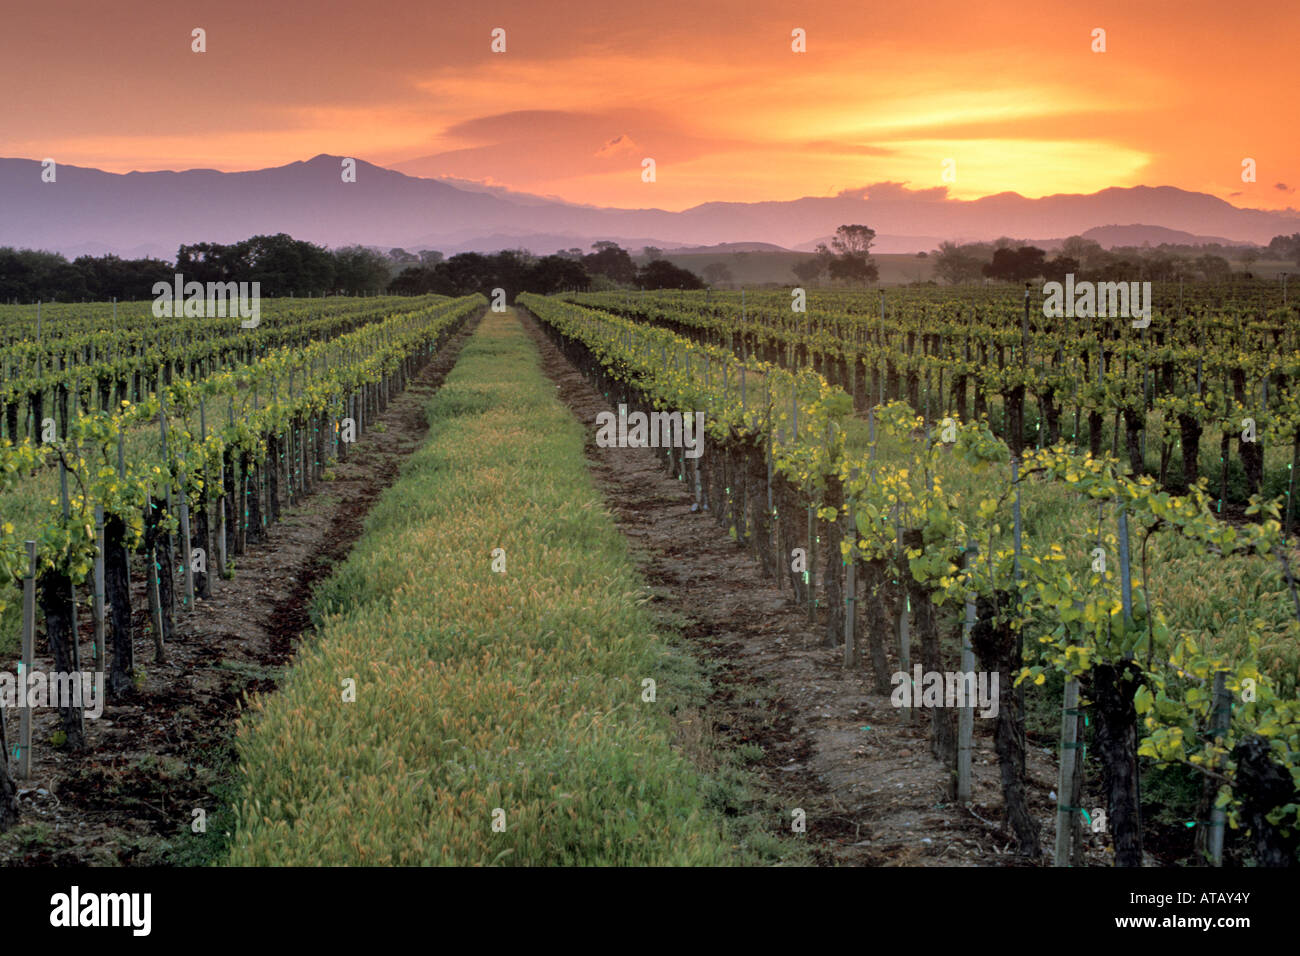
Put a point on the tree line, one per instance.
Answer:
(1086, 259)
(608, 266)
(287, 266)
(283, 265)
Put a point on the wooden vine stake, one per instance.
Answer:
(72, 588)
(966, 716)
(767, 448)
(28, 651)
(1016, 544)
(221, 524)
(205, 501)
(1076, 787)
(155, 597)
(850, 585)
(1222, 719)
(126, 558)
(1065, 779)
(904, 619)
(187, 543)
(162, 426)
(99, 593)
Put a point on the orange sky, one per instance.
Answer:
(885, 92)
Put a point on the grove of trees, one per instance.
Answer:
(514, 270)
(282, 264)
(1009, 261)
(847, 260)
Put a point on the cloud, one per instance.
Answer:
(500, 127)
(621, 143)
(488, 184)
(830, 146)
(886, 192)
(1283, 187)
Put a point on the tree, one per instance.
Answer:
(210, 261)
(824, 256)
(281, 263)
(1059, 268)
(514, 270)
(955, 263)
(1249, 256)
(1212, 267)
(412, 281)
(808, 271)
(612, 261)
(652, 253)
(1016, 265)
(1161, 266)
(555, 274)
(662, 274)
(468, 272)
(851, 260)
(108, 277)
(430, 257)
(358, 269)
(284, 264)
(853, 241)
(1285, 247)
(854, 268)
(1085, 251)
(715, 273)
(67, 280)
(511, 270)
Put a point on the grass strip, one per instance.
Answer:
(479, 691)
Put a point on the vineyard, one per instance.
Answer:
(141, 458)
(529, 443)
(889, 441)
(1094, 514)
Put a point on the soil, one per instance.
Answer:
(166, 747)
(862, 773)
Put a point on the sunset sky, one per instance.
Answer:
(711, 91)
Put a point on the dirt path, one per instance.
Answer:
(832, 747)
(166, 748)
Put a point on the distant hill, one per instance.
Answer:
(1141, 235)
(723, 247)
(154, 212)
(539, 243)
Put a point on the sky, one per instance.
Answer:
(1014, 96)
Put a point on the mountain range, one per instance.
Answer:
(87, 210)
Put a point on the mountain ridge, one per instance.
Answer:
(159, 210)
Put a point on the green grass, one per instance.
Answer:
(476, 690)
